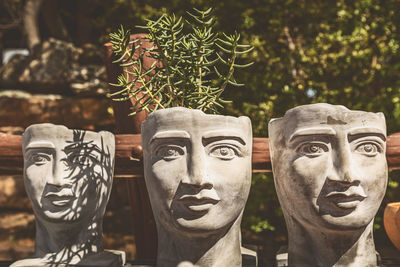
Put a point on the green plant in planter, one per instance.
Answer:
(193, 64)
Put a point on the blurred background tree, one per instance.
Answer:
(306, 51)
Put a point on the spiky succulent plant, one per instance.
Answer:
(193, 64)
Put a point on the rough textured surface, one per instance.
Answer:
(196, 166)
(20, 108)
(68, 178)
(60, 68)
(330, 174)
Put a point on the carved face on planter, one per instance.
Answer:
(197, 168)
(329, 165)
(67, 173)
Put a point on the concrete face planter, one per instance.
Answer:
(198, 175)
(68, 177)
(330, 174)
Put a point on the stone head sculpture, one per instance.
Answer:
(330, 174)
(198, 175)
(68, 177)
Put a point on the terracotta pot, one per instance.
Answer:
(144, 226)
(125, 124)
(391, 220)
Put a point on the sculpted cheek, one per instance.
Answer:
(166, 176)
(234, 176)
(372, 171)
(35, 179)
(310, 174)
(99, 170)
(375, 177)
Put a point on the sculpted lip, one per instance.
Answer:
(196, 203)
(60, 199)
(348, 199)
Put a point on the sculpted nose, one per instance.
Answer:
(57, 176)
(343, 167)
(197, 174)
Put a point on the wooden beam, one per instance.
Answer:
(11, 160)
(128, 155)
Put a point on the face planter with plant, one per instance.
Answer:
(196, 165)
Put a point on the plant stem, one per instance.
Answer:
(230, 72)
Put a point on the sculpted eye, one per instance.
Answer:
(169, 152)
(224, 152)
(84, 160)
(39, 159)
(368, 149)
(312, 149)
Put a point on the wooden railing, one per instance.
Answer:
(128, 156)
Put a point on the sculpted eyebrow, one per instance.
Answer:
(366, 131)
(312, 131)
(40, 144)
(170, 135)
(208, 140)
(82, 147)
(213, 136)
